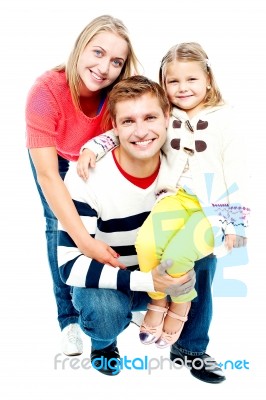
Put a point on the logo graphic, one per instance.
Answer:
(197, 237)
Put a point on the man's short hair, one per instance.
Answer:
(134, 87)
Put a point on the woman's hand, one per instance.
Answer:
(103, 253)
(86, 159)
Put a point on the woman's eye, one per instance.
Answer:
(118, 63)
(98, 53)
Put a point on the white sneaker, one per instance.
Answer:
(71, 341)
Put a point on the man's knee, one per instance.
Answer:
(103, 312)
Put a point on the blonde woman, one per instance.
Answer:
(65, 108)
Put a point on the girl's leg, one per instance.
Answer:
(152, 325)
(178, 230)
(195, 241)
(190, 244)
(173, 324)
(166, 218)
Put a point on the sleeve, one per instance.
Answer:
(42, 115)
(78, 270)
(75, 268)
(101, 144)
(236, 175)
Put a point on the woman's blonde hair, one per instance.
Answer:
(192, 51)
(104, 23)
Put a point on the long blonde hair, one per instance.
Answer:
(192, 51)
(104, 23)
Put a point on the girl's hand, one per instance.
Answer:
(235, 241)
(86, 159)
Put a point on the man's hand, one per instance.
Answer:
(172, 286)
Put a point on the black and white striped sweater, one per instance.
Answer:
(112, 210)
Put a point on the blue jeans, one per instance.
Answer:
(105, 313)
(194, 338)
(65, 310)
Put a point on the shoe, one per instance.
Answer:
(71, 341)
(167, 339)
(106, 361)
(202, 367)
(149, 334)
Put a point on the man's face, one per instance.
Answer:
(141, 127)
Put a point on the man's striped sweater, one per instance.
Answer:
(112, 210)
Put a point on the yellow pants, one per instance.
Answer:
(176, 229)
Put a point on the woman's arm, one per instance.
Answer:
(46, 164)
(78, 270)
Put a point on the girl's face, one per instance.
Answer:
(186, 85)
(101, 62)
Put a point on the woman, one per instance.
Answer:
(65, 108)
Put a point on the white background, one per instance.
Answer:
(37, 35)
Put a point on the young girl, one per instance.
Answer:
(65, 107)
(203, 163)
(200, 206)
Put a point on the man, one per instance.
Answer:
(113, 203)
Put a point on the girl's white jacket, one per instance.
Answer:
(212, 144)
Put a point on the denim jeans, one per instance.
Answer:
(105, 313)
(63, 296)
(194, 338)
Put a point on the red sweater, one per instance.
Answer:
(52, 120)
